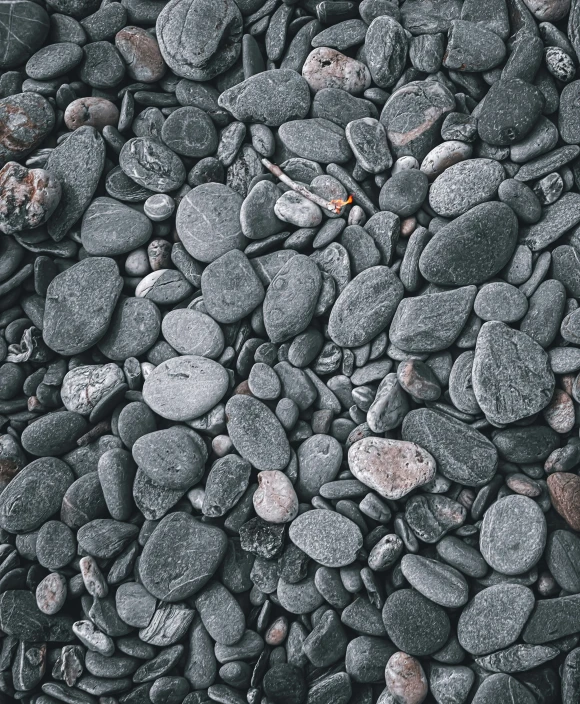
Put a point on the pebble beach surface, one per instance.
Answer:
(289, 352)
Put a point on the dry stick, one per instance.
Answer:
(334, 207)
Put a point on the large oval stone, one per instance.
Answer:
(208, 221)
(392, 468)
(465, 185)
(80, 303)
(472, 248)
(25, 118)
(327, 537)
(512, 378)
(180, 557)
(111, 228)
(34, 495)
(463, 454)
(23, 28)
(270, 97)
(256, 433)
(317, 139)
(183, 388)
(365, 307)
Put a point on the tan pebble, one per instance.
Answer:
(393, 468)
(275, 499)
(443, 156)
(141, 53)
(276, 634)
(328, 68)
(524, 485)
(408, 226)
(95, 112)
(564, 488)
(560, 414)
(406, 679)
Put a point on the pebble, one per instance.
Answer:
(415, 624)
(440, 583)
(30, 196)
(22, 38)
(406, 679)
(141, 54)
(325, 67)
(152, 165)
(564, 488)
(94, 112)
(327, 537)
(393, 468)
(275, 499)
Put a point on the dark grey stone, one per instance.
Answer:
(414, 624)
(327, 537)
(317, 139)
(21, 38)
(509, 112)
(133, 329)
(152, 165)
(110, 228)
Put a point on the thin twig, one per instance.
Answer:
(332, 206)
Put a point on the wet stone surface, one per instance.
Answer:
(289, 352)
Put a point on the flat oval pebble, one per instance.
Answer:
(465, 185)
(183, 388)
(317, 139)
(27, 119)
(512, 378)
(327, 537)
(80, 304)
(472, 248)
(440, 583)
(393, 468)
(169, 568)
(208, 221)
(494, 618)
(191, 332)
(110, 228)
(415, 624)
(256, 433)
(513, 535)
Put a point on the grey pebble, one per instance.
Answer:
(327, 537)
(414, 624)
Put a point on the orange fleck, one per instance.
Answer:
(339, 204)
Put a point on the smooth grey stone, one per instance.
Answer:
(119, 186)
(317, 139)
(547, 163)
(438, 582)
(208, 221)
(186, 264)
(340, 107)
(413, 116)
(54, 433)
(116, 665)
(34, 495)
(77, 163)
(546, 308)
(190, 132)
(566, 268)
(498, 687)
(300, 597)
(513, 535)
(472, 248)
(247, 648)
(460, 386)
(522, 200)
(511, 374)
(426, 52)
(342, 36)
(256, 433)
(562, 557)
(500, 301)
(171, 458)
(319, 459)
(110, 228)
(285, 684)
(105, 22)
(450, 684)
(556, 219)
(389, 406)
(83, 501)
(542, 138)
(568, 124)
(327, 641)
(464, 185)
(368, 140)
(152, 165)
(200, 666)
(257, 216)
(462, 453)
(404, 193)
(191, 332)
(431, 322)
(270, 97)
(55, 545)
(472, 47)
(190, 43)
(105, 538)
(384, 228)
(553, 619)
(510, 110)
(327, 537)
(296, 385)
(366, 658)
(416, 625)
(116, 474)
(431, 516)
(133, 329)
(102, 66)
(168, 569)
(353, 322)
(385, 50)
(494, 618)
(564, 360)
(225, 485)
(570, 677)
(528, 444)
(461, 556)
(291, 298)
(221, 614)
(53, 60)
(21, 38)
(183, 388)
(231, 289)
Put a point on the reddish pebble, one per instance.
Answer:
(408, 226)
(141, 53)
(275, 500)
(567, 382)
(564, 490)
(406, 679)
(419, 380)
(159, 253)
(523, 485)
(51, 593)
(94, 112)
(276, 634)
(28, 197)
(560, 414)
